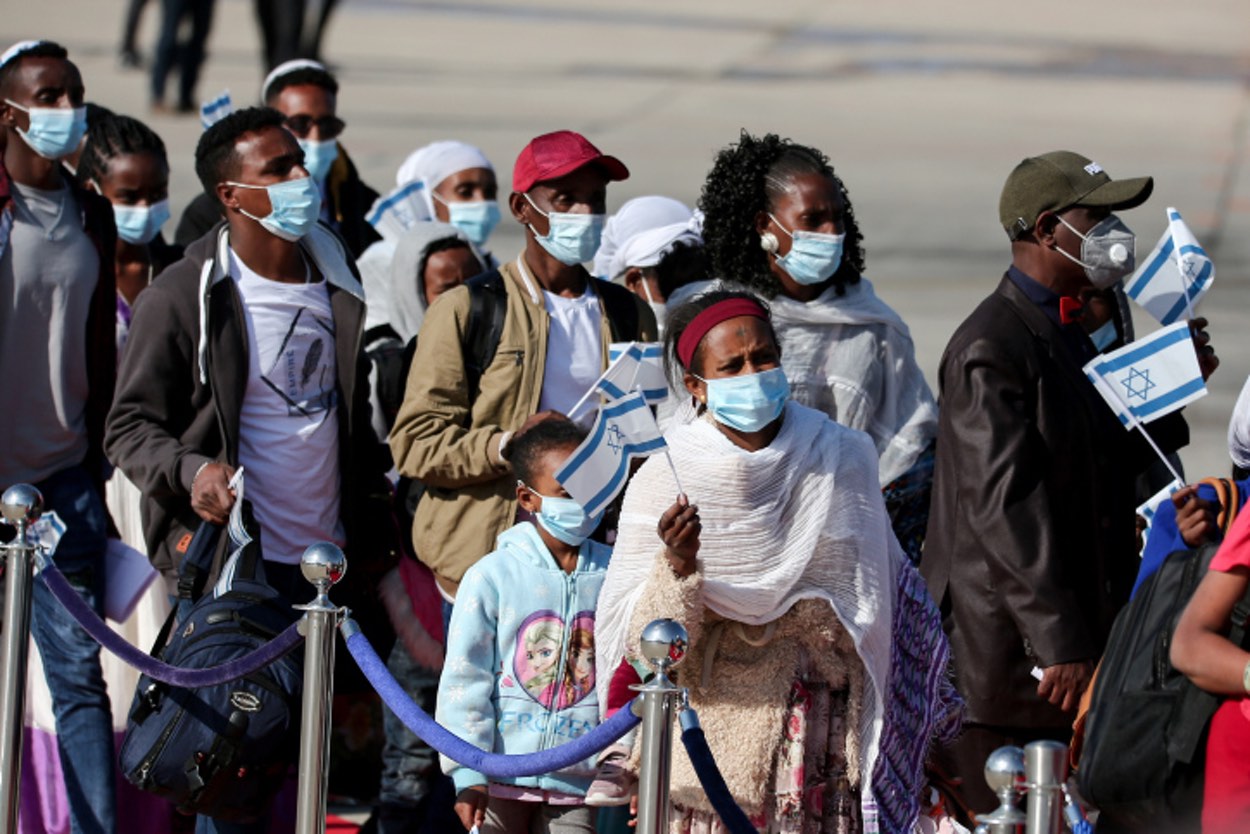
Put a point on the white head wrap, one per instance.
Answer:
(286, 69)
(642, 232)
(436, 162)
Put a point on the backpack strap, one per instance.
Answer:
(488, 304)
(621, 308)
(1228, 498)
(197, 562)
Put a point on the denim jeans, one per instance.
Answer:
(71, 658)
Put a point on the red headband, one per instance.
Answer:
(730, 308)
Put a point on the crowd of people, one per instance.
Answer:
(880, 586)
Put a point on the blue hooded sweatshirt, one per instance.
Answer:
(520, 670)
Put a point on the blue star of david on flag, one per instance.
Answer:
(1138, 383)
(616, 438)
(597, 470)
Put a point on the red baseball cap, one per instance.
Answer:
(553, 155)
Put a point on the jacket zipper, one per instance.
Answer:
(563, 676)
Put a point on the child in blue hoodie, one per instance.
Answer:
(520, 670)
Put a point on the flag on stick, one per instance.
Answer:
(597, 471)
(1151, 377)
(1170, 283)
(216, 109)
(643, 372)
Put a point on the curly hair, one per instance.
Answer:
(215, 157)
(745, 180)
(528, 448)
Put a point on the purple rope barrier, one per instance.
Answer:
(150, 666)
(496, 765)
(735, 819)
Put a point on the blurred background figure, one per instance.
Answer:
(292, 29)
(128, 53)
(188, 55)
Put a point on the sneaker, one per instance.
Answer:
(613, 784)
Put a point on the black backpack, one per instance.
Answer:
(221, 751)
(1144, 753)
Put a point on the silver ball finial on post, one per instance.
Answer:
(21, 505)
(1004, 773)
(663, 644)
(323, 564)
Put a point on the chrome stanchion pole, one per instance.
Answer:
(20, 506)
(1004, 773)
(323, 564)
(1045, 770)
(663, 645)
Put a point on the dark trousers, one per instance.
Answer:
(188, 56)
(284, 33)
(134, 11)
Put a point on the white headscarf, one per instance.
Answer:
(642, 232)
(286, 69)
(437, 161)
(407, 280)
(799, 519)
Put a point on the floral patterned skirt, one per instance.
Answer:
(811, 792)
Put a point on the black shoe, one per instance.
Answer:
(129, 59)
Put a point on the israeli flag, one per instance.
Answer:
(1148, 509)
(1151, 377)
(642, 370)
(214, 110)
(1178, 273)
(597, 471)
(399, 210)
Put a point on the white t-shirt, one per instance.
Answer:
(288, 426)
(574, 351)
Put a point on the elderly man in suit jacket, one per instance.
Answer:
(1031, 543)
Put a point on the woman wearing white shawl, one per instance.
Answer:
(779, 221)
(817, 660)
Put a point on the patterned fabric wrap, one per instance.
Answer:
(907, 504)
(921, 702)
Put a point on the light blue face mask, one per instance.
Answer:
(571, 239)
(54, 132)
(140, 224)
(319, 156)
(747, 402)
(813, 256)
(1104, 336)
(564, 518)
(294, 206)
(477, 219)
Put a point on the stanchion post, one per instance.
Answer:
(663, 645)
(1004, 773)
(323, 564)
(1045, 770)
(21, 505)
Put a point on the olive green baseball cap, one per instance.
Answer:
(1060, 180)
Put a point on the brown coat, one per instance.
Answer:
(1030, 550)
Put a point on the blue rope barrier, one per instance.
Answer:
(734, 818)
(494, 765)
(150, 666)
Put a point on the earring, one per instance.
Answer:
(768, 242)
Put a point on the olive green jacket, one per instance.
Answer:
(451, 445)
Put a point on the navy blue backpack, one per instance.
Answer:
(221, 751)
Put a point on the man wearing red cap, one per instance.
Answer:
(498, 353)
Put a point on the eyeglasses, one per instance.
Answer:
(301, 126)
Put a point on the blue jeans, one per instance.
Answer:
(71, 658)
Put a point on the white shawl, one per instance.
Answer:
(800, 519)
(852, 357)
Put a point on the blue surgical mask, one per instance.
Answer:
(140, 224)
(294, 206)
(477, 219)
(564, 518)
(1104, 336)
(54, 132)
(747, 402)
(813, 256)
(571, 239)
(319, 156)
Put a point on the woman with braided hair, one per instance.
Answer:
(778, 220)
(124, 160)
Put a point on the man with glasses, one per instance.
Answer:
(306, 94)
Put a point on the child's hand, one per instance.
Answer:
(1195, 517)
(471, 806)
(679, 529)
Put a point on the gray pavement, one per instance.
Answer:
(923, 107)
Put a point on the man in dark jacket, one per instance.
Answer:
(247, 354)
(57, 346)
(1031, 545)
(307, 95)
